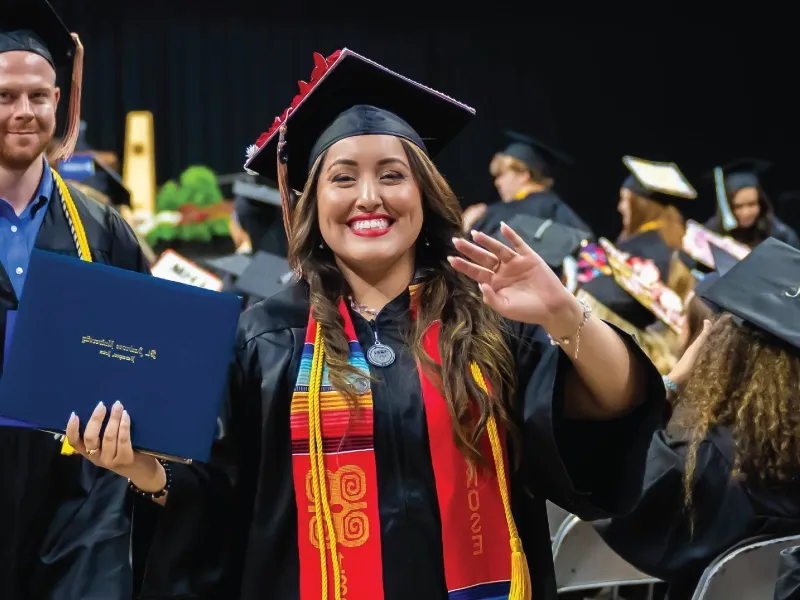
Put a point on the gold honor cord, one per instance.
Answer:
(81, 245)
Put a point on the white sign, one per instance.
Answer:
(174, 267)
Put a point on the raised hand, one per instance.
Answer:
(515, 281)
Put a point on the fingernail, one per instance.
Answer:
(99, 406)
(503, 224)
(706, 324)
(473, 233)
(450, 259)
(117, 405)
(455, 240)
(71, 417)
(125, 416)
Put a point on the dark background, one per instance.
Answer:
(215, 74)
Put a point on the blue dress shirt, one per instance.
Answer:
(18, 232)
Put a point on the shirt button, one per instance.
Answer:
(13, 229)
(19, 271)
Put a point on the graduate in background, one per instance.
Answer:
(336, 427)
(64, 523)
(652, 228)
(744, 198)
(726, 468)
(523, 176)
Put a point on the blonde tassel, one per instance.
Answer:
(521, 588)
(67, 146)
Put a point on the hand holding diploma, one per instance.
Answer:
(114, 451)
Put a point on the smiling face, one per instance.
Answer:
(28, 102)
(369, 205)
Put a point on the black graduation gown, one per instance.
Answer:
(788, 584)
(777, 229)
(545, 205)
(64, 523)
(604, 288)
(214, 545)
(655, 536)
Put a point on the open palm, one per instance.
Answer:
(514, 280)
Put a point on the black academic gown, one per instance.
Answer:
(64, 524)
(655, 536)
(605, 289)
(544, 205)
(777, 229)
(217, 545)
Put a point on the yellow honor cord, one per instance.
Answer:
(520, 575)
(322, 509)
(81, 244)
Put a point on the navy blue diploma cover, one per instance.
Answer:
(87, 333)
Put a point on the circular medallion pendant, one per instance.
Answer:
(380, 355)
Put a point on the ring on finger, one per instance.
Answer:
(93, 451)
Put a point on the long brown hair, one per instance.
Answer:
(470, 330)
(644, 211)
(749, 383)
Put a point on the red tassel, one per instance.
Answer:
(287, 194)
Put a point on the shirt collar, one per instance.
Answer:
(42, 196)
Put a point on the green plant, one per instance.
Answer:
(201, 186)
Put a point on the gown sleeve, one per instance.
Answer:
(196, 536)
(656, 538)
(85, 550)
(590, 468)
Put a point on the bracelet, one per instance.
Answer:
(669, 384)
(162, 492)
(587, 312)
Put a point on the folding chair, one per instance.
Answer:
(555, 517)
(584, 561)
(749, 571)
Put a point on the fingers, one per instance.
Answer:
(73, 432)
(477, 254)
(490, 297)
(124, 448)
(516, 242)
(91, 436)
(471, 270)
(109, 447)
(496, 247)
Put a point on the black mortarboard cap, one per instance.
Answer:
(349, 95)
(742, 173)
(264, 276)
(234, 264)
(550, 240)
(762, 290)
(33, 26)
(724, 261)
(534, 154)
(99, 177)
(660, 181)
(608, 292)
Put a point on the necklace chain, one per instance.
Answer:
(362, 308)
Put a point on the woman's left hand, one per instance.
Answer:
(517, 283)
